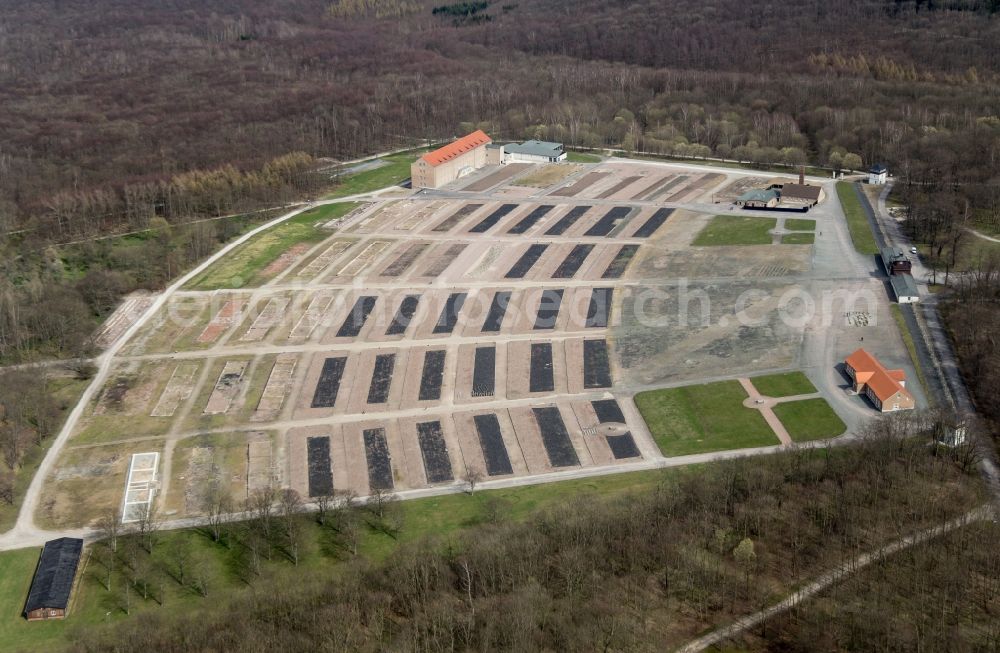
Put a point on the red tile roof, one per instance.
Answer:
(457, 148)
(869, 371)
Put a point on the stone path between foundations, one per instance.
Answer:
(766, 406)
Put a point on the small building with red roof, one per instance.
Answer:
(454, 160)
(884, 387)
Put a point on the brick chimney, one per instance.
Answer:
(802, 175)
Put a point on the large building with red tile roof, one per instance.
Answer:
(454, 160)
(885, 388)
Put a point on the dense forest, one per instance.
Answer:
(644, 571)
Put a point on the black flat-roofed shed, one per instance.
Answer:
(50, 590)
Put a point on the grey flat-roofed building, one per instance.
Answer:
(52, 585)
(758, 198)
(534, 152)
(905, 288)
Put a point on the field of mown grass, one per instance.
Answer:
(857, 220)
(800, 224)
(580, 157)
(701, 418)
(809, 419)
(783, 385)
(735, 230)
(244, 268)
(798, 239)
(395, 172)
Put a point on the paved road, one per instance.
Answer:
(923, 320)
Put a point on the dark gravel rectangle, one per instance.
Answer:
(618, 265)
(490, 221)
(540, 378)
(655, 221)
(498, 308)
(608, 411)
(318, 463)
(567, 220)
(555, 437)
(355, 320)
(650, 187)
(527, 260)
(571, 264)
(596, 365)
(664, 188)
(432, 375)
(405, 260)
(444, 260)
(622, 446)
(434, 451)
(325, 395)
(449, 315)
(404, 314)
(617, 187)
(548, 309)
(484, 372)
(609, 221)
(377, 457)
(580, 184)
(529, 221)
(452, 220)
(378, 391)
(491, 442)
(599, 309)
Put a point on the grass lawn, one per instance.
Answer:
(580, 157)
(857, 220)
(246, 266)
(800, 224)
(700, 418)
(809, 419)
(16, 570)
(783, 385)
(798, 239)
(444, 517)
(394, 173)
(736, 230)
(911, 347)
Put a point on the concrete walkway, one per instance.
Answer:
(766, 405)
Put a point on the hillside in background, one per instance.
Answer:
(104, 95)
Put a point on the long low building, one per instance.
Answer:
(52, 585)
(456, 159)
(534, 152)
(904, 288)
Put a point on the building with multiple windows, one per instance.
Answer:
(886, 389)
(456, 159)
